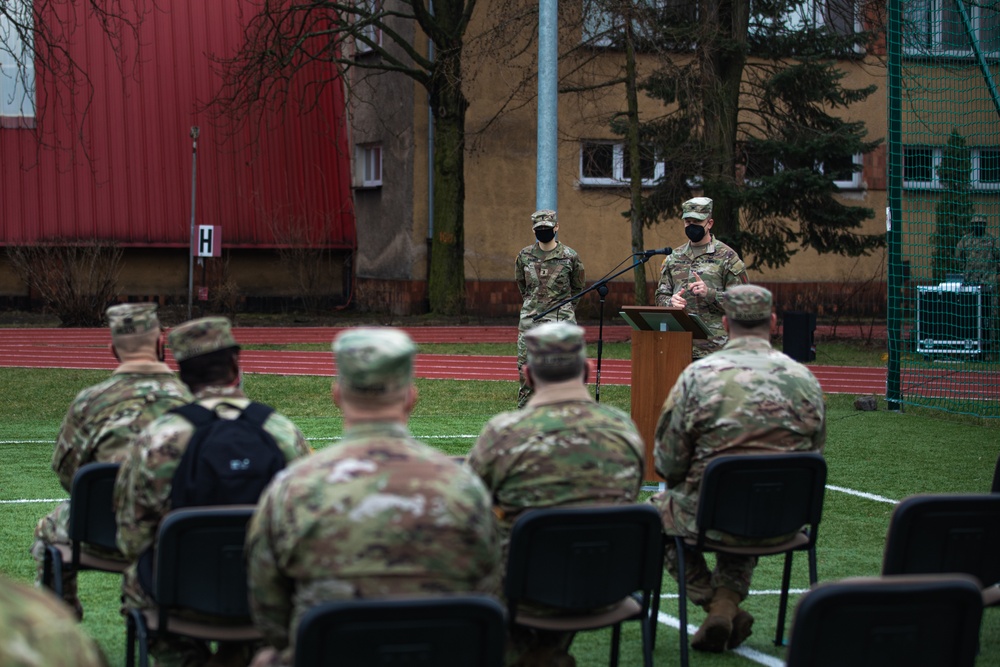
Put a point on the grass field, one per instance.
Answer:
(875, 459)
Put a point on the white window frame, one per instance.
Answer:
(927, 28)
(372, 32)
(17, 73)
(977, 169)
(368, 165)
(933, 183)
(814, 10)
(618, 177)
(853, 183)
(598, 22)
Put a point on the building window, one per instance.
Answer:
(935, 28)
(368, 166)
(839, 15)
(606, 163)
(845, 171)
(369, 34)
(603, 25)
(921, 164)
(17, 67)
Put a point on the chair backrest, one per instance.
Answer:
(996, 478)
(582, 558)
(91, 510)
(937, 533)
(199, 562)
(927, 620)
(762, 496)
(451, 631)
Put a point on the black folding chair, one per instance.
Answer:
(91, 522)
(758, 497)
(581, 559)
(945, 533)
(894, 621)
(448, 631)
(199, 567)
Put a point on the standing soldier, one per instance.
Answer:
(696, 275)
(747, 398)
(208, 357)
(546, 272)
(562, 449)
(979, 255)
(377, 514)
(103, 419)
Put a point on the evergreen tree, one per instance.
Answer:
(749, 120)
(954, 209)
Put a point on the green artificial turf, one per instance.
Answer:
(883, 454)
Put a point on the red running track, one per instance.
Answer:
(87, 349)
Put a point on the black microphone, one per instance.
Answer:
(656, 251)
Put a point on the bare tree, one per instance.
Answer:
(283, 38)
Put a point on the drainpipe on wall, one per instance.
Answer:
(430, 170)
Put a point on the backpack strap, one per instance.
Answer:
(256, 413)
(196, 414)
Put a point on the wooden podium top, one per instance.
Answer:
(664, 318)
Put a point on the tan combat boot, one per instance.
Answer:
(714, 633)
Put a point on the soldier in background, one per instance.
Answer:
(208, 357)
(979, 256)
(546, 272)
(377, 514)
(103, 420)
(744, 399)
(562, 449)
(697, 275)
(38, 630)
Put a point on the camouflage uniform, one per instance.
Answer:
(101, 424)
(980, 258)
(37, 630)
(719, 267)
(377, 514)
(562, 449)
(745, 399)
(544, 278)
(142, 491)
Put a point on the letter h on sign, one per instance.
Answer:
(209, 241)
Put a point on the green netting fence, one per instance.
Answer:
(944, 205)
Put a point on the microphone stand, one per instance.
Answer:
(602, 289)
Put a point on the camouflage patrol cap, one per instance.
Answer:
(131, 319)
(543, 218)
(747, 303)
(699, 208)
(374, 360)
(202, 336)
(555, 345)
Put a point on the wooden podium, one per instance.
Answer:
(661, 349)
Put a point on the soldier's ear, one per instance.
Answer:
(161, 347)
(111, 346)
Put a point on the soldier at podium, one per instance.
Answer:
(696, 276)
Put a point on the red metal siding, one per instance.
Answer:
(122, 170)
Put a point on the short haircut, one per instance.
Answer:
(748, 325)
(558, 373)
(208, 369)
(135, 342)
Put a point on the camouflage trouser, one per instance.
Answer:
(53, 528)
(731, 571)
(176, 651)
(523, 391)
(529, 647)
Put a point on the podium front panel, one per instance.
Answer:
(658, 357)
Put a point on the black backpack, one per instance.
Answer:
(227, 461)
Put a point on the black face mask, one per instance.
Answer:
(545, 234)
(694, 232)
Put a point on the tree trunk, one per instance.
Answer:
(635, 164)
(446, 282)
(722, 76)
